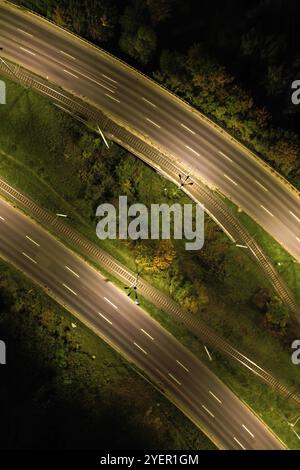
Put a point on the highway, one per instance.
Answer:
(145, 107)
(127, 328)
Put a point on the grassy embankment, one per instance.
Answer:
(63, 167)
(63, 387)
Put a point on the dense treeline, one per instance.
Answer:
(234, 61)
(206, 84)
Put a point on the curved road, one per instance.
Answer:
(136, 101)
(188, 383)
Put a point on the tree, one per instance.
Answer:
(160, 10)
(277, 314)
(130, 20)
(164, 255)
(144, 255)
(60, 17)
(284, 152)
(261, 299)
(155, 257)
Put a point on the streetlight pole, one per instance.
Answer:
(294, 424)
(3, 61)
(63, 216)
(185, 180)
(296, 433)
(103, 136)
(133, 289)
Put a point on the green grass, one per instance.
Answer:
(286, 265)
(46, 154)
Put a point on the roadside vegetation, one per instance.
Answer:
(67, 168)
(64, 388)
(236, 67)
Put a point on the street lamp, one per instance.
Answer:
(185, 180)
(294, 424)
(103, 136)
(3, 61)
(133, 289)
(63, 216)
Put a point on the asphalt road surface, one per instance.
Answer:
(136, 101)
(196, 390)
